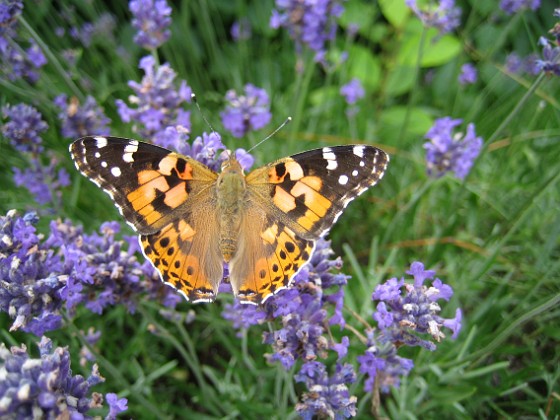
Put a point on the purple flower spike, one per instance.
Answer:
(551, 58)
(152, 20)
(468, 74)
(157, 103)
(79, 121)
(39, 278)
(446, 151)
(442, 15)
(241, 30)
(327, 397)
(513, 6)
(45, 387)
(309, 22)
(24, 128)
(250, 111)
(17, 61)
(43, 182)
(403, 316)
(303, 311)
(352, 91)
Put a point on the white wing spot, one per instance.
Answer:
(131, 148)
(342, 179)
(362, 164)
(104, 164)
(116, 171)
(328, 155)
(332, 165)
(327, 149)
(100, 142)
(97, 155)
(355, 172)
(359, 151)
(128, 158)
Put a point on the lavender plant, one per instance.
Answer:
(45, 387)
(327, 347)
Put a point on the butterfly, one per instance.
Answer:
(191, 220)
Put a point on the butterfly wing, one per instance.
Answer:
(168, 199)
(186, 253)
(269, 254)
(295, 201)
(310, 190)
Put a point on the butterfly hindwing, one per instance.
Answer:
(310, 190)
(187, 256)
(268, 257)
(149, 184)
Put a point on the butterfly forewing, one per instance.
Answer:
(149, 184)
(311, 189)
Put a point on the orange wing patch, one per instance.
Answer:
(185, 261)
(257, 272)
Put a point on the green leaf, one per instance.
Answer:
(396, 12)
(364, 66)
(399, 81)
(419, 120)
(324, 95)
(436, 50)
(359, 14)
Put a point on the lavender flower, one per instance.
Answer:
(513, 6)
(92, 337)
(116, 405)
(303, 311)
(518, 65)
(43, 182)
(241, 30)
(447, 152)
(24, 128)
(15, 60)
(380, 362)
(327, 397)
(403, 314)
(309, 22)
(468, 74)
(157, 102)
(79, 121)
(403, 318)
(445, 16)
(551, 58)
(9, 12)
(45, 387)
(250, 111)
(352, 91)
(102, 29)
(69, 268)
(152, 20)
(204, 148)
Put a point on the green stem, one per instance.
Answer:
(52, 59)
(111, 369)
(189, 356)
(415, 85)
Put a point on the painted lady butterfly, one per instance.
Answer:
(191, 219)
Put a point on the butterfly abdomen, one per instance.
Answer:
(231, 190)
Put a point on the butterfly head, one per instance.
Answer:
(231, 164)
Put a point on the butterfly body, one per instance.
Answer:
(191, 220)
(232, 200)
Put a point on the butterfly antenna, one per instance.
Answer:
(193, 98)
(271, 134)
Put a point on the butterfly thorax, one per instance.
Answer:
(230, 194)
